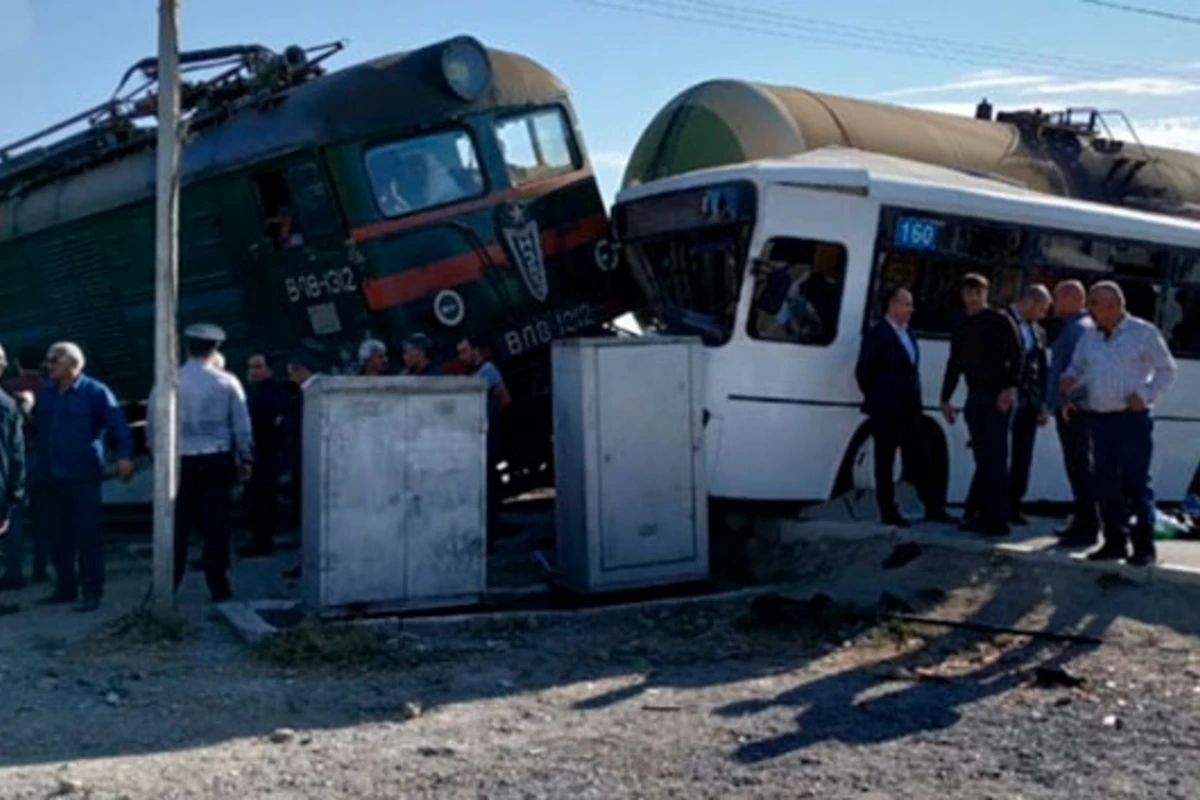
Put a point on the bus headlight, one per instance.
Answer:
(466, 68)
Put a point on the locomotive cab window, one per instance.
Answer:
(536, 145)
(798, 287)
(422, 173)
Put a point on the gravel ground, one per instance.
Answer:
(691, 702)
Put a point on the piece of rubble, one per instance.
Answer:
(281, 736)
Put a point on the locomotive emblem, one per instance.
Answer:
(523, 241)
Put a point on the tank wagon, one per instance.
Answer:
(1073, 153)
(444, 190)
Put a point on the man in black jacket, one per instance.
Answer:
(888, 374)
(12, 469)
(986, 350)
(1030, 413)
(267, 400)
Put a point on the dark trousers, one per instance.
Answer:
(14, 544)
(1123, 444)
(71, 511)
(1024, 435)
(205, 483)
(1076, 442)
(989, 431)
(25, 527)
(262, 496)
(902, 433)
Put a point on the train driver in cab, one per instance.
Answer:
(419, 180)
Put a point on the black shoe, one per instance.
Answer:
(1108, 553)
(999, 531)
(941, 517)
(969, 523)
(1018, 520)
(57, 599)
(12, 583)
(1142, 560)
(895, 521)
(256, 551)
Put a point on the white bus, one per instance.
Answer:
(779, 264)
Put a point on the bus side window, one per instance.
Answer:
(1181, 311)
(798, 286)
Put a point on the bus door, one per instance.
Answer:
(303, 249)
(785, 383)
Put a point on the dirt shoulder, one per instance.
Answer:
(729, 700)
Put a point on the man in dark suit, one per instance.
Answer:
(1030, 413)
(888, 376)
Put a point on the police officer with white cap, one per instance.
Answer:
(216, 449)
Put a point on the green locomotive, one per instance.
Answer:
(444, 190)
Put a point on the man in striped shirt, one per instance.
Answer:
(1125, 366)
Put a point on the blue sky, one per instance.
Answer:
(60, 56)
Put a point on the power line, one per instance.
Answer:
(971, 49)
(1146, 12)
(796, 28)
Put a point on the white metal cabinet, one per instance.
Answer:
(394, 492)
(632, 501)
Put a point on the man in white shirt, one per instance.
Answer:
(1125, 366)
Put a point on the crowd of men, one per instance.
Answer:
(1098, 381)
(59, 426)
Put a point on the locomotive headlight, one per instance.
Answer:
(466, 68)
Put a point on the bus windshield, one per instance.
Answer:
(688, 252)
(693, 280)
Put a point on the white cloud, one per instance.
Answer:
(610, 159)
(984, 79)
(1156, 87)
(1176, 132)
(16, 23)
(1180, 133)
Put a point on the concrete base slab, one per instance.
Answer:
(1179, 560)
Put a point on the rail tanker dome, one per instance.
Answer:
(1078, 153)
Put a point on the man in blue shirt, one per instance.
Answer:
(1070, 299)
(73, 415)
(498, 399)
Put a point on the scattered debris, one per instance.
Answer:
(113, 699)
(411, 710)
(281, 736)
(1113, 721)
(903, 555)
(891, 604)
(66, 786)
(436, 752)
(1056, 678)
(664, 708)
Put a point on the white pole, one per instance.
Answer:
(166, 291)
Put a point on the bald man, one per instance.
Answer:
(1125, 366)
(1070, 308)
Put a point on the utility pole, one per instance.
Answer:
(166, 293)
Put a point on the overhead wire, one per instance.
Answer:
(1173, 16)
(789, 26)
(1093, 66)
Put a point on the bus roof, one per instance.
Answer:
(897, 181)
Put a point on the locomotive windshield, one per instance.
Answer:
(425, 172)
(536, 145)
